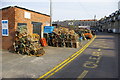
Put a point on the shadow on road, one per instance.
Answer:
(105, 38)
(100, 48)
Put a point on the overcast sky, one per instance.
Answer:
(68, 9)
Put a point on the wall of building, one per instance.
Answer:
(119, 5)
(7, 41)
(76, 23)
(112, 22)
(0, 30)
(19, 18)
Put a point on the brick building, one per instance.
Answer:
(18, 16)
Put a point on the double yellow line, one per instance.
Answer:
(65, 62)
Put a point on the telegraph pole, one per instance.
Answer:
(50, 12)
(94, 20)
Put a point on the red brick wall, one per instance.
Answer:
(7, 41)
(16, 15)
(19, 18)
(0, 31)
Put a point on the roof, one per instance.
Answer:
(24, 9)
(89, 20)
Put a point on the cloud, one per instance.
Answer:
(60, 0)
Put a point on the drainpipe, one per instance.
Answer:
(42, 30)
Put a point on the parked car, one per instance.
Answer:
(110, 30)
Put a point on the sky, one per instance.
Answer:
(67, 9)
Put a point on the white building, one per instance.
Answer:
(119, 5)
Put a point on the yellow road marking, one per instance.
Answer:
(62, 66)
(96, 54)
(83, 47)
(99, 49)
(98, 59)
(90, 64)
(84, 73)
(65, 62)
(91, 57)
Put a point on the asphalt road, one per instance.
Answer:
(98, 62)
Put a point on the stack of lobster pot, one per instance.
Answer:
(63, 37)
(27, 44)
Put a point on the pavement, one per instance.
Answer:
(118, 39)
(98, 62)
(23, 66)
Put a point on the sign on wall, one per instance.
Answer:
(4, 27)
(27, 15)
(48, 29)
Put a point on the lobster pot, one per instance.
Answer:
(55, 43)
(72, 32)
(75, 44)
(68, 44)
(60, 44)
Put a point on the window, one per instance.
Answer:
(21, 24)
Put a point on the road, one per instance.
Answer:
(98, 62)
